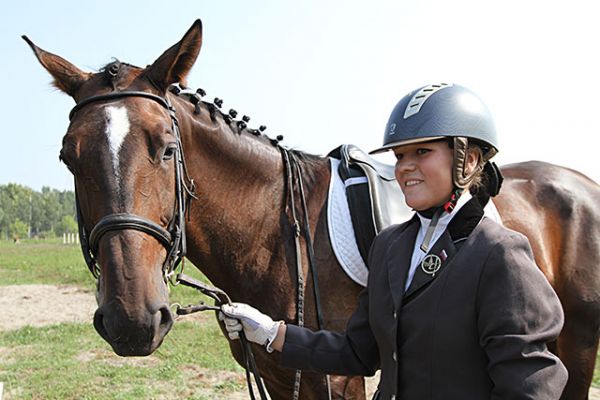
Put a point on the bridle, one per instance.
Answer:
(173, 237)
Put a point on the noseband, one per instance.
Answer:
(172, 237)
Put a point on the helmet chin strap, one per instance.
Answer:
(436, 213)
(459, 177)
(460, 180)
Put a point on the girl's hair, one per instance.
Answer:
(478, 180)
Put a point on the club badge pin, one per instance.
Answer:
(431, 264)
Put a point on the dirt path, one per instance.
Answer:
(40, 305)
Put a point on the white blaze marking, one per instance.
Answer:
(116, 130)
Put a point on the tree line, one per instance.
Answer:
(26, 213)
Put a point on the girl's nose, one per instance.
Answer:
(404, 165)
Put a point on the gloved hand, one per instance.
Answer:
(258, 327)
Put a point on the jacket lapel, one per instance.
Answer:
(398, 256)
(433, 263)
(445, 247)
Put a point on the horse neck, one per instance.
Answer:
(239, 228)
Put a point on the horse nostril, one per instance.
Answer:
(165, 322)
(99, 324)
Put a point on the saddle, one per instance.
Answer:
(374, 198)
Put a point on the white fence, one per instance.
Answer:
(69, 238)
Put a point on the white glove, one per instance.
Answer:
(258, 327)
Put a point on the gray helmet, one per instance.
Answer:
(438, 111)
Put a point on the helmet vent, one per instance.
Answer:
(417, 101)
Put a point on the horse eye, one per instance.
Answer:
(169, 152)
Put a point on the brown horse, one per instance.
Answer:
(123, 154)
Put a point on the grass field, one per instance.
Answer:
(70, 361)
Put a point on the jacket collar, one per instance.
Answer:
(465, 220)
(400, 250)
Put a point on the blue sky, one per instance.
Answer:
(321, 73)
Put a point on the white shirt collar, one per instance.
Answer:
(443, 222)
(447, 217)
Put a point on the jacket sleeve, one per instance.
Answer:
(353, 352)
(518, 314)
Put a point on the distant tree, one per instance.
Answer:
(37, 214)
(15, 204)
(51, 206)
(41, 212)
(18, 229)
(66, 225)
(67, 202)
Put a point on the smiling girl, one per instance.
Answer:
(455, 307)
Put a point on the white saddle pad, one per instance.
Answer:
(341, 231)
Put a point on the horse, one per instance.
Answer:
(125, 145)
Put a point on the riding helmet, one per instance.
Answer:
(440, 110)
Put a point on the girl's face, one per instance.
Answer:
(424, 172)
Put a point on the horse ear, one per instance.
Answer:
(175, 63)
(67, 77)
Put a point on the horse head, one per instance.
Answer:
(123, 148)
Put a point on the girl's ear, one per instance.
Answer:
(472, 160)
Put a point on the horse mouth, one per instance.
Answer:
(129, 340)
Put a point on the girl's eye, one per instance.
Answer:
(422, 151)
(398, 156)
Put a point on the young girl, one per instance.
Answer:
(455, 307)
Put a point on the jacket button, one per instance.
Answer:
(394, 356)
(395, 315)
(393, 397)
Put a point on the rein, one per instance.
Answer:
(221, 298)
(291, 164)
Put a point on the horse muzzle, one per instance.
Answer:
(133, 335)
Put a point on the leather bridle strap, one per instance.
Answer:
(118, 95)
(116, 222)
(172, 238)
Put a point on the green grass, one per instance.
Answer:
(596, 379)
(43, 262)
(70, 361)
